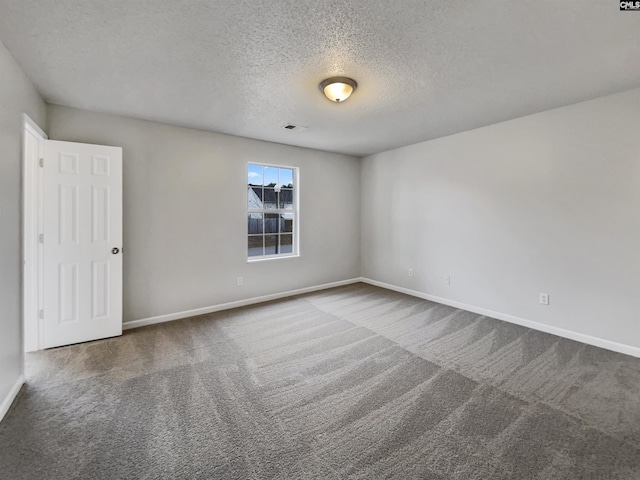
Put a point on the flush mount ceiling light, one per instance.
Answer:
(338, 89)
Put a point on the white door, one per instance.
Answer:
(82, 193)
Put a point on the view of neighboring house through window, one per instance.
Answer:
(271, 210)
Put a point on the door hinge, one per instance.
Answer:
(41, 162)
(41, 314)
(41, 238)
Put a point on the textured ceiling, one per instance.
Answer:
(246, 67)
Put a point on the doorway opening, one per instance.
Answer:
(72, 241)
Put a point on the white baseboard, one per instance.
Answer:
(11, 396)
(560, 332)
(226, 306)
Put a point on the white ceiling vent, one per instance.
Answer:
(293, 127)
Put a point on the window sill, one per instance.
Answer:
(272, 257)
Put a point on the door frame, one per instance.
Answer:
(32, 218)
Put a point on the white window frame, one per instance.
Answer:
(296, 215)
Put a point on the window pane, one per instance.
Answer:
(270, 244)
(286, 177)
(255, 175)
(271, 223)
(255, 245)
(270, 198)
(254, 197)
(270, 176)
(286, 243)
(255, 224)
(286, 199)
(286, 224)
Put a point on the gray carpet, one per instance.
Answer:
(354, 382)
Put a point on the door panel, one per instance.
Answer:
(82, 224)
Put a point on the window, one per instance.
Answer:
(271, 211)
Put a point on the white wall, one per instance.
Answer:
(185, 213)
(17, 96)
(545, 203)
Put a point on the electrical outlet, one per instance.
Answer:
(544, 298)
(240, 281)
(411, 272)
(447, 280)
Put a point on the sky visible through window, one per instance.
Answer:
(259, 175)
